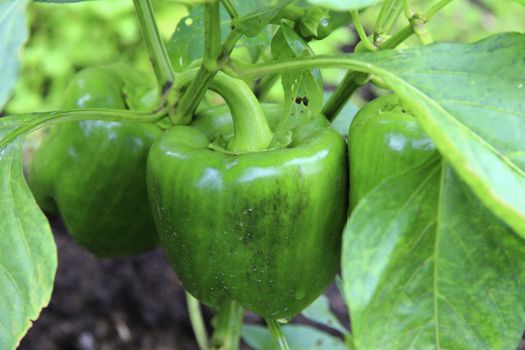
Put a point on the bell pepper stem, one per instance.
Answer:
(157, 50)
(227, 333)
(251, 130)
(277, 334)
(197, 322)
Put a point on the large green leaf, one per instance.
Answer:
(28, 259)
(13, 34)
(470, 99)
(427, 266)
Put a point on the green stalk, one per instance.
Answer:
(277, 334)
(294, 64)
(212, 36)
(40, 119)
(361, 31)
(195, 92)
(227, 332)
(230, 8)
(339, 98)
(156, 49)
(346, 89)
(197, 322)
(388, 16)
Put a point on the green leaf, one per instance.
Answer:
(187, 41)
(344, 5)
(254, 22)
(319, 311)
(61, 1)
(299, 337)
(470, 99)
(13, 34)
(522, 2)
(303, 90)
(427, 266)
(28, 258)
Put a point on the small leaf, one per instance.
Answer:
(303, 90)
(427, 266)
(299, 337)
(344, 5)
(187, 41)
(319, 311)
(13, 35)
(28, 258)
(252, 23)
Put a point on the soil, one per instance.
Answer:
(128, 303)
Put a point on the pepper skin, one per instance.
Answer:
(383, 141)
(262, 228)
(93, 173)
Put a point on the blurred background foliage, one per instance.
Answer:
(65, 38)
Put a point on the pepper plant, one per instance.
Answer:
(416, 207)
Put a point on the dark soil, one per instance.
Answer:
(129, 303)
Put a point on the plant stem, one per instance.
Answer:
(40, 119)
(339, 98)
(230, 8)
(348, 86)
(227, 332)
(212, 36)
(277, 334)
(388, 16)
(294, 64)
(361, 31)
(197, 322)
(195, 92)
(156, 49)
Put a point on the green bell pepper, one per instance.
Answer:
(245, 223)
(93, 173)
(383, 140)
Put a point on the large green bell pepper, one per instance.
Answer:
(93, 173)
(244, 223)
(384, 140)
